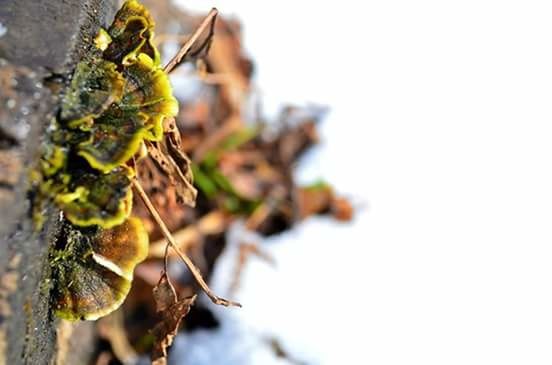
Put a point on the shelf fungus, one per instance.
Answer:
(93, 268)
(117, 99)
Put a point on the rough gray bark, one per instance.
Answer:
(38, 39)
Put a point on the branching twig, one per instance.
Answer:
(193, 269)
(245, 251)
(209, 20)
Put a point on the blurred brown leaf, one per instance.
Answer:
(171, 311)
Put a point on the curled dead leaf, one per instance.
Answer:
(171, 311)
(176, 166)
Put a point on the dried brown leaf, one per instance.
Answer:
(197, 46)
(171, 311)
(342, 209)
(164, 293)
(180, 161)
(175, 164)
(313, 201)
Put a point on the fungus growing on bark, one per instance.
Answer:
(92, 268)
(119, 103)
(131, 34)
(93, 198)
(96, 84)
(118, 97)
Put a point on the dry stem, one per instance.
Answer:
(211, 223)
(193, 269)
(190, 42)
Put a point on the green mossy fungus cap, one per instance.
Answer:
(118, 97)
(131, 34)
(94, 271)
(95, 198)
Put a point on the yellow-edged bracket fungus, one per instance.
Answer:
(117, 99)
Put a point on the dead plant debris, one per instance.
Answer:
(240, 170)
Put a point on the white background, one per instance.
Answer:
(440, 123)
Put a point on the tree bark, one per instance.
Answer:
(39, 40)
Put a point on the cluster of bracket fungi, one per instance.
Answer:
(117, 100)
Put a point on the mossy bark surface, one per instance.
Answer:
(40, 43)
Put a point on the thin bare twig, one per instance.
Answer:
(212, 223)
(245, 251)
(193, 269)
(166, 258)
(209, 20)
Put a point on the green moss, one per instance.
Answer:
(204, 182)
(239, 138)
(213, 183)
(232, 142)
